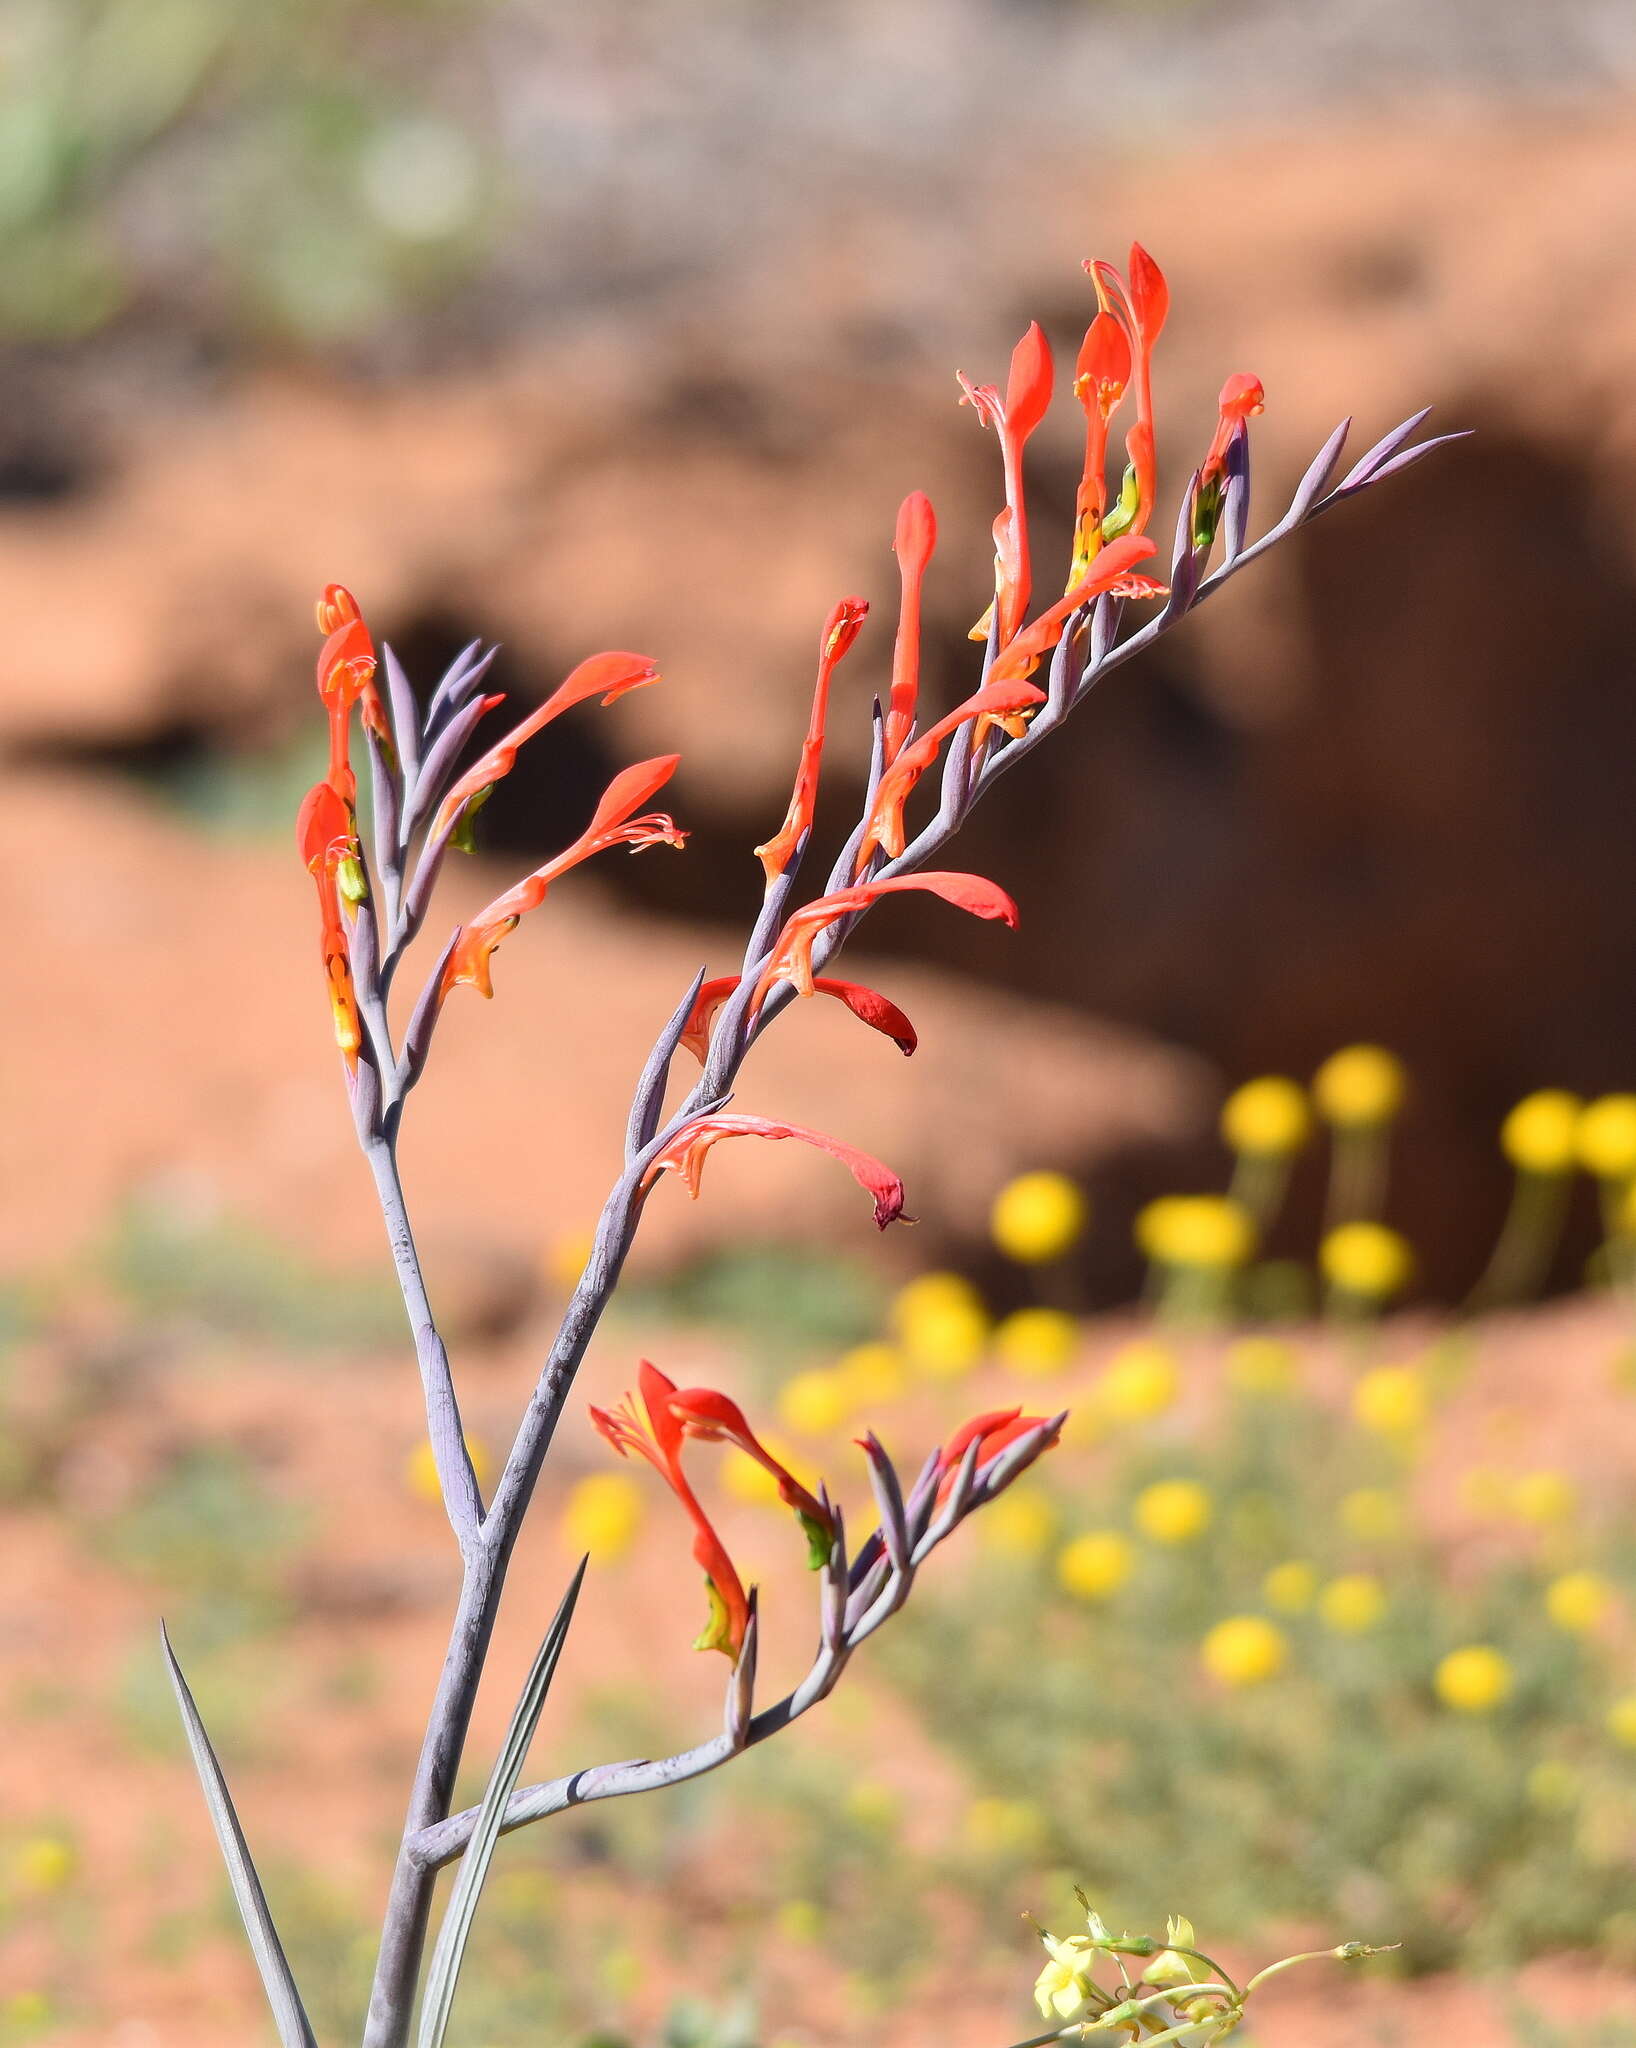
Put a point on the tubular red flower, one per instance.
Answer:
(1109, 575)
(1101, 374)
(791, 956)
(654, 1432)
(1014, 418)
(612, 825)
(865, 1003)
(914, 541)
(841, 628)
(1242, 397)
(713, 1418)
(609, 675)
(346, 676)
(325, 839)
(686, 1153)
(1140, 308)
(1001, 700)
(992, 1432)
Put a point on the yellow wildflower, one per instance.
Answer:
(420, 1469)
(1032, 1343)
(565, 1258)
(1006, 1827)
(1473, 1680)
(1371, 1514)
(43, 1863)
(1172, 1511)
(1352, 1604)
(1268, 1118)
(1019, 1524)
(1139, 1381)
(1579, 1602)
(1621, 1720)
(1360, 1086)
(602, 1514)
(1391, 1400)
(1540, 1135)
(1037, 1217)
(1095, 1565)
(1290, 1587)
(1607, 1137)
(1064, 1988)
(1263, 1367)
(945, 1343)
(1210, 1232)
(1367, 1260)
(816, 1401)
(1543, 1498)
(1246, 1649)
(872, 1804)
(875, 1373)
(929, 1291)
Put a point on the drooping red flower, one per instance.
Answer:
(841, 628)
(612, 825)
(328, 846)
(609, 675)
(992, 1432)
(655, 1432)
(913, 543)
(1014, 418)
(713, 1418)
(791, 956)
(686, 1153)
(866, 1004)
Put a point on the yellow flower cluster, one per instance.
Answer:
(1205, 1232)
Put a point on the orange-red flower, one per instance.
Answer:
(1139, 307)
(864, 1003)
(1001, 700)
(609, 675)
(1101, 374)
(612, 825)
(1014, 418)
(1242, 397)
(346, 676)
(913, 542)
(325, 839)
(991, 1432)
(713, 1418)
(653, 1430)
(686, 1153)
(841, 628)
(791, 956)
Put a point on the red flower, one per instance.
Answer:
(1001, 700)
(612, 825)
(655, 1432)
(1101, 374)
(1242, 397)
(610, 674)
(865, 1003)
(328, 846)
(791, 956)
(841, 628)
(992, 1432)
(914, 541)
(346, 676)
(685, 1155)
(1014, 418)
(713, 1418)
(1140, 308)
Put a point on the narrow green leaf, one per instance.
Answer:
(444, 1973)
(294, 2028)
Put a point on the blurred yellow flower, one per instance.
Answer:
(1262, 1367)
(1579, 1601)
(1553, 1786)
(1211, 1232)
(872, 1804)
(1005, 1827)
(43, 1863)
(1140, 1381)
(1095, 1565)
(1371, 1514)
(1290, 1587)
(1267, 1118)
(1037, 1217)
(1359, 1086)
(875, 1373)
(945, 1343)
(929, 1291)
(602, 1515)
(1352, 1604)
(1473, 1680)
(420, 1469)
(800, 1920)
(1367, 1260)
(565, 1258)
(1032, 1343)
(1246, 1649)
(1543, 1498)
(1391, 1400)
(1621, 1720)
(1172, 1511)
(1607, 1137)
(1021, 1524)
(816, 1401)
(1541, 1133)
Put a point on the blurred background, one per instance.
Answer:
(630, 326)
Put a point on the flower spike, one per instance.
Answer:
(791, 956)
(612, 825)
(841, 628)
(685, 1156)
(866, 1004)
(654, 1432)
(913, 543)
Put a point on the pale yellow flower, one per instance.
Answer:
(1037, 1217)
(1473, 1680)
(1033, 1343)
(1579, 1602)
(945, 1343)
(1140, 1381)
(1172, 1511)
(1096, 1564)
(1352, 1604)
(1290, 1587)
(1244, 1650)
(875, 1373)
(602, 1515)
(1391, 1400)
(815, 1402)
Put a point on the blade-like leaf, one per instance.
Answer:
(294, 2029)
(444, 1973)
